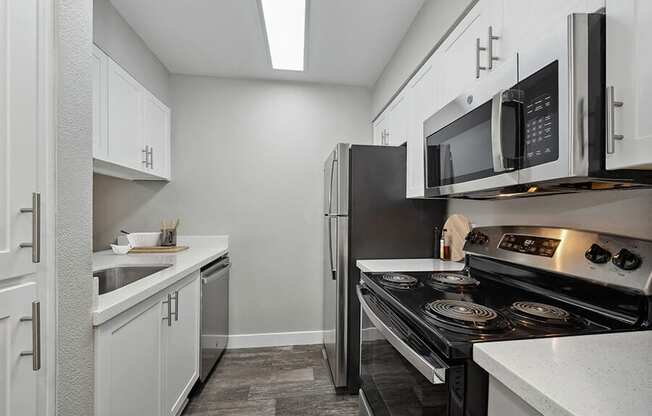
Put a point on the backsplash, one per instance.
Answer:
(616, 212)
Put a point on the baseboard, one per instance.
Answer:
(275, 339)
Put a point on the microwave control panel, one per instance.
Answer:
(541, 143)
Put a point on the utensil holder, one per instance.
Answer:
(168, 237)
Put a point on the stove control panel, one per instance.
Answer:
(612, 260)
(538, 246)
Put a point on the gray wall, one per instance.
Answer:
(433, 21)
(74, 334)
(118, 40)
(248, 162)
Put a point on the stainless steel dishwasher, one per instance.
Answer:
(214, 313)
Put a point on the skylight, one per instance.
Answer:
(285, 23)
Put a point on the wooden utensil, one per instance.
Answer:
(457, 227)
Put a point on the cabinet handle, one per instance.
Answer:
(35, 319)
(610, 125)
(168, 302)
(478, 49)
(151, 157)
(145, 152)
(175, 297)
(35, 210)
(490, 48)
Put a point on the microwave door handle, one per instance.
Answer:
(435, 375)
(497, 103)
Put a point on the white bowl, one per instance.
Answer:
(120, 249)
(143, 239)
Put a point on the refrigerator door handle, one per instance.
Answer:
(330, 222)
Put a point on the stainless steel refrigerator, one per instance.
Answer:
(366, 215)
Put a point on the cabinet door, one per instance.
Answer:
(181, 343)
(527, 21)
(125, 138)
(421, 93)
(19, 120)
(128, 363)
(380, 129)
(100, 64)
(629, 132)
(398, 113)
(18, 380)
(156, 129)
(460, 56)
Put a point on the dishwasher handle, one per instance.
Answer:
(215, 272)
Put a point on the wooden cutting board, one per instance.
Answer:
(457, 226)
(158, 250)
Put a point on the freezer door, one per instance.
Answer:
(335, 296)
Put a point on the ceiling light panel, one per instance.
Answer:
(285, 24)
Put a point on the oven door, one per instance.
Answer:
(474, 142)
(400, 373)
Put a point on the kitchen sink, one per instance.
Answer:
(117, 277)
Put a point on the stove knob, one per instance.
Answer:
(597, 254)
(626, 260)
(476, 237)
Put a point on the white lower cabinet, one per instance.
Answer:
(147, 358)
(502, 401)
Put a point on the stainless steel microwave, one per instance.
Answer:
(535, 126)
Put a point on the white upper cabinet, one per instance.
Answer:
(465, 51)
(422, 100)
(131, 127)
(156, 130)
(125, 117)
(629, 84)
(398, 113)
(380, 131)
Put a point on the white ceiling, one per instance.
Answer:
(349, 41)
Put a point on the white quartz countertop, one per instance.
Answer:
(203, 250)
(408, 265)
(589, 375)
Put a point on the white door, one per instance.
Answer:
(629, 81)
(398, 123)
(421, 93)
(181, 344)
(462, 59)
(129, 354)
(100, 64)
(527, 21)
(18, 380)
(19, 118)
(125, 135)
(380, 129)
(156, 131)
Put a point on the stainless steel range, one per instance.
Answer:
(418, 329)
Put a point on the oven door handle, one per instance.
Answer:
(498, 101)
(434, 372)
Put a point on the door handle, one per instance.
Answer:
(490, 48)
(330, 222)
(175, 297)
(35, 319)
(610, 125)
(497, 102)
(478, 49)
(168, 302)
(35, 245)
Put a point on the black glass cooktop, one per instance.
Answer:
(452, 311)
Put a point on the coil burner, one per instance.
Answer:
(399, 281)
(534, 313)
(466, 316)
